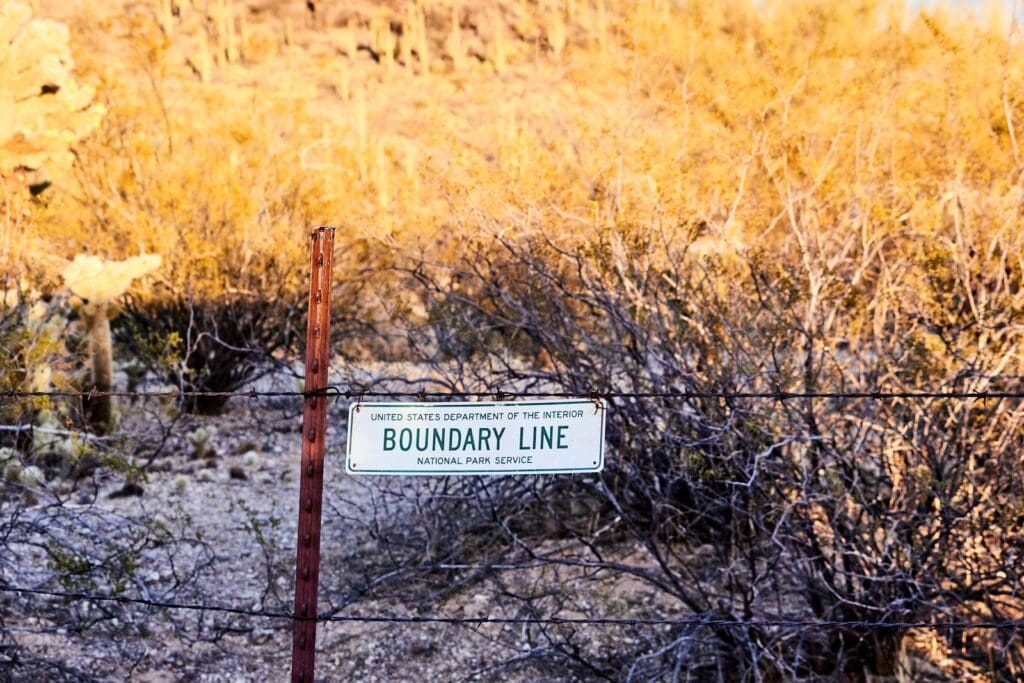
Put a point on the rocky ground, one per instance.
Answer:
(225, 488)
(213, 519)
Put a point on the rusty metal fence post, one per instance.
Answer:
(311, 479)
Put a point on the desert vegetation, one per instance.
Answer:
(644, 197)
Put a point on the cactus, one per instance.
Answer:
(165, 17)
(383, 40)
(12, 471)
(202, 442)
(43, 109)
(499, 50)
(243, 34)
(453, 45)
(406, 43)
(227, 48)
(557, 33)
(420, 42)
(289, 32)
(204, 63)
(98, 283)
(252, 460)
(49, 444)
(32, 477)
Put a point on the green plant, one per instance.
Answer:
(31, 333)
(215, 344)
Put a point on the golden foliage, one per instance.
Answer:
(808, 129)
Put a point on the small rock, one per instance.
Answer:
(421, 649)
(260, 637)
(129, 489)
(237, 472)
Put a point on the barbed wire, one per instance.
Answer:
(694, 620)
(339, 393)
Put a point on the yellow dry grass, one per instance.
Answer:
(232, 126)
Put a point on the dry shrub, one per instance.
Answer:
(710, 115)
(211, 344)
(653, 196)
(798, 198)
(45, 110)
(838, 509)
(30, 333)
(231, 292)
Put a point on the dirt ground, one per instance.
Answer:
(236, 491)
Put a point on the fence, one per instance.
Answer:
(655, 511)
(711, 619)
(696, 620)
(338, 393)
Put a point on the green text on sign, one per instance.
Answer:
(512, 437)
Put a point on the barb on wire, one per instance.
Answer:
(694, 620)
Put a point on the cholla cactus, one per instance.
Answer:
(453, 44)
(12, 471)
(202, 442)
(43, 109)
(32, 477)
(98, 283)
(252, 460)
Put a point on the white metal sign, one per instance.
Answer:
(518, 437)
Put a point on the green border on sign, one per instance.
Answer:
(483, 404)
